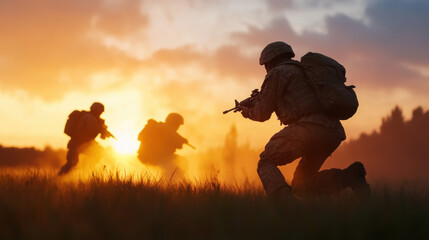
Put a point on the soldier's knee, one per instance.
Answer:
(260, 166)
(263, 164)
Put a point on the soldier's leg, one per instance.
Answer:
(307, 178)
(283, 148)
(308, 181)
(354, 177)
(72, 157)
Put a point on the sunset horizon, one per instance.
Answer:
(192, 119)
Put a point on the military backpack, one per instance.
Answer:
(73, 122)
(327, 77)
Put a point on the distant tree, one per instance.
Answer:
(417, 113)
(230, 152)
(13, 157)
(392, 123)
(399, 150)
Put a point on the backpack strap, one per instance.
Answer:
(307, 79)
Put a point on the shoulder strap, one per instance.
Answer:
(307, 79)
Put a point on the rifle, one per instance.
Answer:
(248, 102)
(109, 134)
(105, 133)
(190, 145)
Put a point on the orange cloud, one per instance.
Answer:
(227, 62)
(47, 47)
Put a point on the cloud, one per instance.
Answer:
(48, 47)
(279, 5)
(401, 27)
(377, 54)
(325, 3)
(121, 17)
(227, 61)
(278, 29)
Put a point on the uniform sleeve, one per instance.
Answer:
(177, 140)
(102, 126)
(266, 101)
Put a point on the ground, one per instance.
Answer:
(40, 205)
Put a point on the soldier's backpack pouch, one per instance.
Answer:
(327, 77)
(72, 122)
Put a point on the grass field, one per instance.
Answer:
(38, 205)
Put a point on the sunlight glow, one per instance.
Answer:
(126, 144)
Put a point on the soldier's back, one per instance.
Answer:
(88, 127)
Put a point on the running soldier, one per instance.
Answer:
(83, 127)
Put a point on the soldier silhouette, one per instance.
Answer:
(311, 134)
(159, 142)
(83, 127)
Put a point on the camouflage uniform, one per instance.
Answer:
(87, 130)
(310, 134)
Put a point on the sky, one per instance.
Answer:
(144, 59)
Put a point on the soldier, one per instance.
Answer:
(312, 135)
(159, 142)
(83, 127)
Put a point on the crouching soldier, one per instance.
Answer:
(159, 142)
(311, 134)
(83, 127)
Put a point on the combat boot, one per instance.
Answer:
(354, 177)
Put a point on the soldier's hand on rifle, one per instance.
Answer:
(183, 142)
(107, 134)
(244, 111)
(103, 136)
(244, 105)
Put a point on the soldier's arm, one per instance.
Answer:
(179, 141)
(266, 101)
(102, 128)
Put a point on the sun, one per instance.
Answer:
(126, 143)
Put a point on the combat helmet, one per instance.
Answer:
(97, 107)
(174, 119)
(274, 50)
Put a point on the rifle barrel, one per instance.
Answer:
(229, 110)
(112, 136)
(190, 145)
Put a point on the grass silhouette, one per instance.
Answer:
(40, 205)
